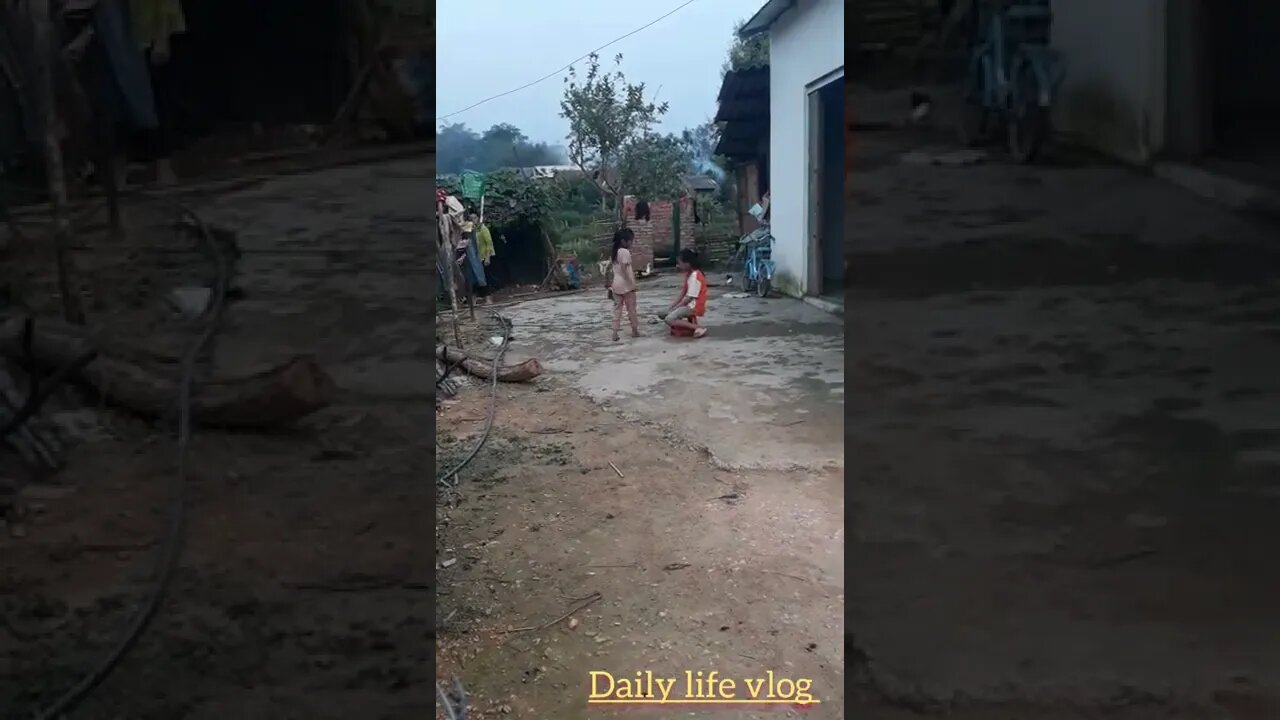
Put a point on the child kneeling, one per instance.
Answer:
(691, 304)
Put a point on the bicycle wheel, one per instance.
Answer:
(1029, 122)
(762, 287)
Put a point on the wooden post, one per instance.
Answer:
(445, 248)
(52, 127)
(111, 169)
(471, 290)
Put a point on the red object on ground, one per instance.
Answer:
(683, 332)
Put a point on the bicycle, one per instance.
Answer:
(756, 249)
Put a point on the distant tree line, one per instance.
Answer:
(460, 148)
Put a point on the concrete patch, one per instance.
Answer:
(763, 389)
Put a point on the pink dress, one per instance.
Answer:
(624, 278)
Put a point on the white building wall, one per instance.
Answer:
(1113, 97)
(806, 45)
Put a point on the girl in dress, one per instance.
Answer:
(622, 287)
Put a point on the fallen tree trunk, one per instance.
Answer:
(483, 367)
(278, 396)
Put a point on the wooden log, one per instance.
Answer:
(273, 397)
(483, 367)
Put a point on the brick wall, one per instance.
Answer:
(657, 230)
(642, 245)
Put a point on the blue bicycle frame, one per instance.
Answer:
(757, 269)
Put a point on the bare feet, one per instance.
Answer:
(699, 332)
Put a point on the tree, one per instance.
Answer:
(605, 114)
(460, 148)
(701, 142)
(456, 147)
(654, 166)
(510, 200)
(746, 54)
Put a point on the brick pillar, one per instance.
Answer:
(687, 237)
(642, 243)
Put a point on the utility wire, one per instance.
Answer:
(554, 73)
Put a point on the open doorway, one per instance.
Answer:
(1245, 71)
(826, 189)
(1222, 69)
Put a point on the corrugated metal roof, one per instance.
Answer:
(744, 94)
(701, 183)
(743, 113)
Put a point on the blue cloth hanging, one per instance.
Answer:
(129, 78)
(474, 265)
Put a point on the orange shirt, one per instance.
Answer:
(697, 289)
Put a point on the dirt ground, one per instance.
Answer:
(1067, 439)
(302, 592)
(704, 558)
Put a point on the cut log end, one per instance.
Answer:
(278, 396)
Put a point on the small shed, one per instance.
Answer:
(701, 184)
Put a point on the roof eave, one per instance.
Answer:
(765, 17)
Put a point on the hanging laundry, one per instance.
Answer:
(475, 266)
(484, 244)
(126, 81)
(453, 206)
(154, 23)
(457, 216)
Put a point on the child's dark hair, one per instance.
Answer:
(690, 257)
(620, 236)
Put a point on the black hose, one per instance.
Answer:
(449, 369)
(493, 400)
(171, 548)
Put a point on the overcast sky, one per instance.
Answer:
(484, 47)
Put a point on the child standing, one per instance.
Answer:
(622, 286)
(692, 301)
